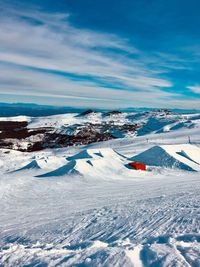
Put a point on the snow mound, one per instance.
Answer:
(85, 154)
(185, 157)
(91, 162)
(51, 162)
(95, 154)
(32, 165)
(46, 163)
(74, 167)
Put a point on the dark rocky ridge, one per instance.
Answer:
(114, 112)
(12, 133)
(87, 112)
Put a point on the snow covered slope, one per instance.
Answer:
(88, 209)
(37, 133)
(184, 156)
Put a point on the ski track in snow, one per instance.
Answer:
(123, 223)
(149, 219)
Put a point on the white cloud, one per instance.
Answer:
(195, 89)
(50, 43)
(64, 90)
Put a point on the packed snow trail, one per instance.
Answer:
(70, 221)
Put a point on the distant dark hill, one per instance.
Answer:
(86, 112)
(33, 110)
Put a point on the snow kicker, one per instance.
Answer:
(185, 157)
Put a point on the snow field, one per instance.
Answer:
(88, 209)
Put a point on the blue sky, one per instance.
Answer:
(97, 53)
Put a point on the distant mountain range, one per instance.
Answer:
(28, 134)
(34, 110)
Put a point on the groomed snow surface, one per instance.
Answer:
(84, 207)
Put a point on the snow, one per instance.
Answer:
(16, 118)
(81, 206)
(43, 163)
(184, 156)
(74, 118)
(93, 162)
(88, 153)
(134, 255)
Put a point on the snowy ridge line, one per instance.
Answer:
(29, 134)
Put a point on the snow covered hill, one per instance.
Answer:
(83, 206)
(36, 133)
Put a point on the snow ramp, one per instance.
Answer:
(74, 167)
(95, 154)
(184, 156)
(91, 162)
(32, 165)
(43, 163)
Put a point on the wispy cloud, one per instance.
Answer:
(194, 88)
(39, 51)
